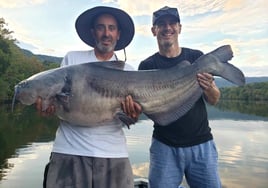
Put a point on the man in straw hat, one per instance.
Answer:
(94, 157)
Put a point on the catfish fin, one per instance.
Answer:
(164, 118)
(211, 63)
(111, 64)
(125, 119)
(184, 63)
(233, 74)
(223, 53)
(64, 100)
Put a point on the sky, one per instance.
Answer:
(47, 27)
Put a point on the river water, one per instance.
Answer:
(241, 139)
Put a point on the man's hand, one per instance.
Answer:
(131, 108)
(211, 91)
(205, 80)
(48, 112)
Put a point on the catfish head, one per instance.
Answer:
(45, 85)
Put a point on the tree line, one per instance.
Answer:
(249, 92)
(14, 64)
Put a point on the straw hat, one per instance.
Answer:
(85, 22)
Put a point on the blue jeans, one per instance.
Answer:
(198, 163)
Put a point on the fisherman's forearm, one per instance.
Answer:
(212, 94)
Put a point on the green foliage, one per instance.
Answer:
(14, 64)
(4, 32)
(258, 108)
(4, 47)
(249, 92)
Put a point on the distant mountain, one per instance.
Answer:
(220, 82)
(42, 58)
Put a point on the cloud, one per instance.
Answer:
(27, 46)
(189, 7)
(19, 3)
(144, 30)
(206, 24)
(140, 170)
(231, 4)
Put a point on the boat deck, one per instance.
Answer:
(140, 183)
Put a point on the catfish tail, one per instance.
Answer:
(216, 63)
(223, 53)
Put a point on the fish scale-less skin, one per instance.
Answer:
(90, 94)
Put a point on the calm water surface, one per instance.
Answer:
(241, 142)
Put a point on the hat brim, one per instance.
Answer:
(84, 23)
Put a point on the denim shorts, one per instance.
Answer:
(168, 165)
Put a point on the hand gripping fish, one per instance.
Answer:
(90, 94)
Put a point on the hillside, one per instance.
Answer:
(224, 83)
(42, 58)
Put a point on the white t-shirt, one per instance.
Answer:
(107, 141)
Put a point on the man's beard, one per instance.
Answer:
(104, 48)
(165, 44)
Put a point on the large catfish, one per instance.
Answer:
(90, 94)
